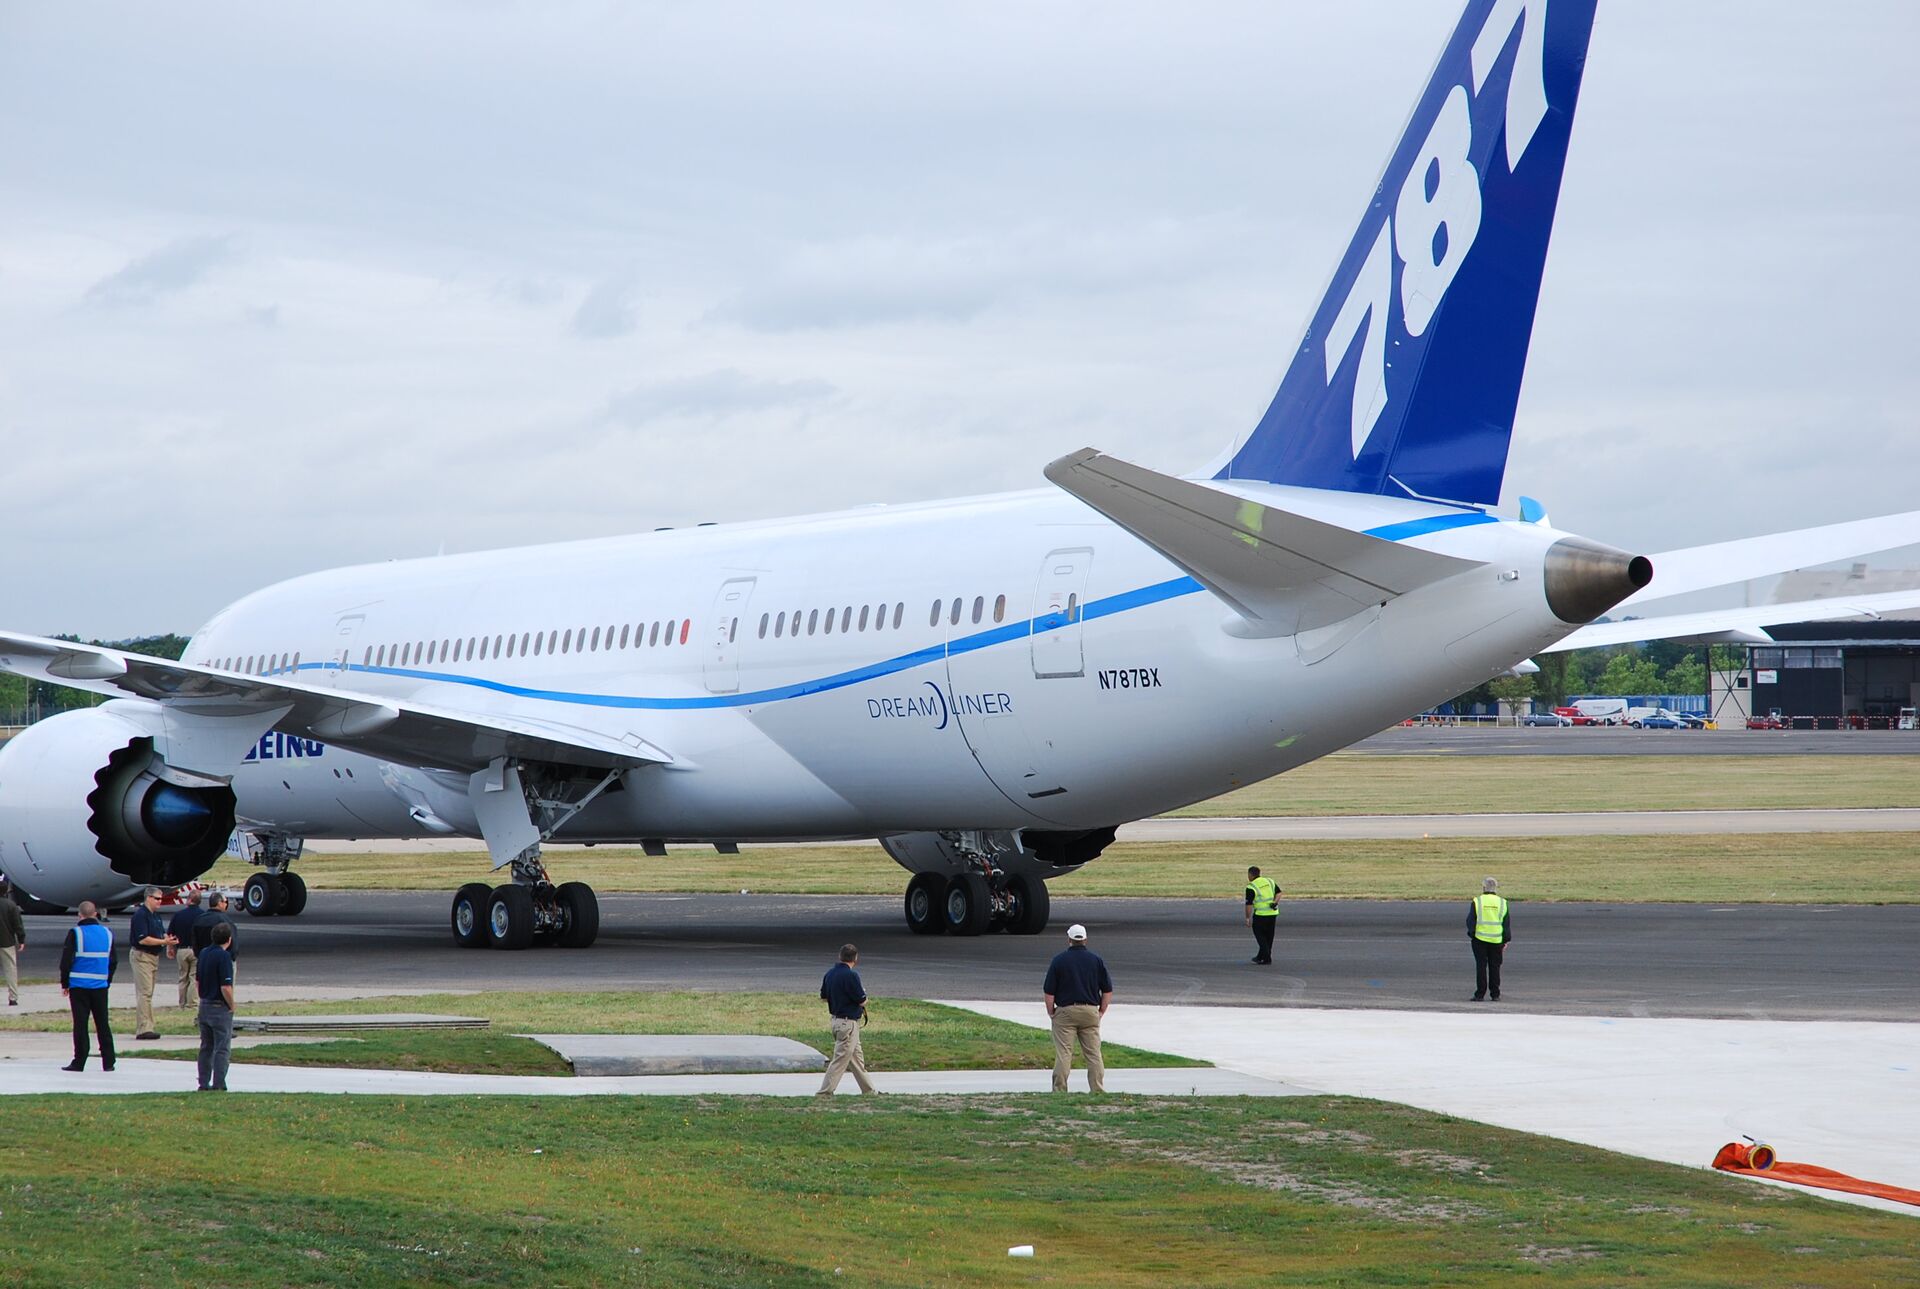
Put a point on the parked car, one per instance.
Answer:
(1691, 720)
(1545, 718)
(1765, 723)
(1659, 721)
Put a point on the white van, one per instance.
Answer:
(1602, 711)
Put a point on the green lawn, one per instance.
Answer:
(1872, 868)
(902, 1191)
(1363, 784)
(901, 1033)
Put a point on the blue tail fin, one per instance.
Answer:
(1408, 376)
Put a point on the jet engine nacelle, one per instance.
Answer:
(90, 811)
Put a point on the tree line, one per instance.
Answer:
(23, 700)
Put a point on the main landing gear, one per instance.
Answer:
(276, 891)
(527, 912)
(974, 902)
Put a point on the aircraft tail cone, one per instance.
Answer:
(1584, 579)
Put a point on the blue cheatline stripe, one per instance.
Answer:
(1113, 604)
(1434, 524)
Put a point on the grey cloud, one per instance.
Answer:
(712, 394)
(173, 268)
(608, 311)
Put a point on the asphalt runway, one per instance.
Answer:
(1588, 740)
(1662, 960)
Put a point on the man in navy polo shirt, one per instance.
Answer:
(148, 937)
(846, 1001)
(1078, 991)
(214, 975)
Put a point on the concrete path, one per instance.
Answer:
(48, 998)
(27, 1077)
(1840, 1094)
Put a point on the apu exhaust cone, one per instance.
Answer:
(1584, 579)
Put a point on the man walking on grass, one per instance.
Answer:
(1078, 991)
(846, 1000)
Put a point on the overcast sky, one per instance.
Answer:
(284, 287)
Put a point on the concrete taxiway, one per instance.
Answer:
(1822, 962)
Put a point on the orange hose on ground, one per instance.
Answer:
(1741, 1160)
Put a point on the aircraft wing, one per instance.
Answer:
(391, 729)
(1698, 568)
(1283, 571)
(1742, 625)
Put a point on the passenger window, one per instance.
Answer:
(846, 618)
(553, 639)
(686, 625)
(539, 639)
(624, 629)
(764, 620)
(367, 657)
(898, 609)
(655, 638)
(1073, 608)
(733, 629)
(779, 624)
(933, 619)
(566, 641)
(865, 609)
(828, 628)
(595, 646)
(953, 619)
(813, 620)
(979, 607)
(1000, 608)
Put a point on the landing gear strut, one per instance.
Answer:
(982, 897)
(524, 810)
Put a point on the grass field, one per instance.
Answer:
(1359, 784)
(901, 1191)
(1871, 868)
(901, 1033)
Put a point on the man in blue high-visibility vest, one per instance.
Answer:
(86, 969)
(1489, 927)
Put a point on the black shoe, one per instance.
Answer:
(107, 1066)
(1256, 958)
(1496, 998)
(203, 1089)
(1478, 998)
(76, 1067)
(146, 1034)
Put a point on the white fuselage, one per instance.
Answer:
(1002, 662)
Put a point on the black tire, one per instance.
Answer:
(582, 909)
(263, 895)
(968, 906)
(1032, 906)
(510, 917)
(293, 898)
(470, 907)
(926, 893)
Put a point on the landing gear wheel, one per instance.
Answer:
(968, 906)
(293, 899)
(510, 918)
(581, 909)
(1031, 905)
(263, 895)
(926, 893)
(470, 915)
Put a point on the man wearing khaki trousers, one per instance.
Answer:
(1078, 991)
(846, 1000)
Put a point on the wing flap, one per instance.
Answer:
(1283, 571)
(391, 729)
(1699, 568)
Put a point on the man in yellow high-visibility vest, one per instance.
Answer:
(1263, 913)
(1489, 927)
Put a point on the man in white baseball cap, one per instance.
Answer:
(1078, 991)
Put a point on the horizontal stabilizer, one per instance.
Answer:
(1742, 625)
(1282, 571)
(1697, 568)
(391, 729)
